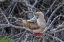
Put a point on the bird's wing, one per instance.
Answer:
(31, 25)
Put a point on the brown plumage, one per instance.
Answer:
(36, 26)
(30, 26)
(41, 22)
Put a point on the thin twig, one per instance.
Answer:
(52, 22)
(48, 22)
(50, 7)
(54, 37)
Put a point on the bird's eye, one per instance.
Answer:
(35, 14)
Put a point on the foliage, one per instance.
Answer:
(5, 39)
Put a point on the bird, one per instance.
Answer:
(36, 25)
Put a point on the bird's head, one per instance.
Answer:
(39, 14)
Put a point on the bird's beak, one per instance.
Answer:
(34, 18)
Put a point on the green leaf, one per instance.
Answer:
(5, 39)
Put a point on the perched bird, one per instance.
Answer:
(35, 25)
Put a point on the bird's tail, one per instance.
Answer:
(19, 19)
